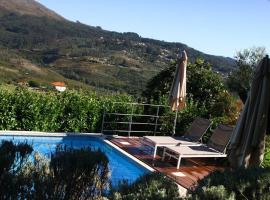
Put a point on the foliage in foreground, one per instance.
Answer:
(154, 186)
(266, 158)
(83, 174)
(71, 174)
(252, 183)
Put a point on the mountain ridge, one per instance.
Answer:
(29, 7)
(86, 54)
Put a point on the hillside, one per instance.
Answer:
(86, 55)
(28, 7)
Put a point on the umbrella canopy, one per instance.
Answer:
(248, 138)
(178, 89)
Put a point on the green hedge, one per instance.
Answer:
(71, 111)
(251, 183)
(80, 111)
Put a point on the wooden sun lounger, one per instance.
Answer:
(191, 138)
(191, 152)
(215, 148)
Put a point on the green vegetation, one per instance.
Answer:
(70, 174)
(266, 158)
(240, 79)
(80, 111)
(83, 174)
(203, 84)
(32, 83)
(37, 50)
(71, 111)
(152, 186)
(252, 183)
(206, 94)
(46, 50)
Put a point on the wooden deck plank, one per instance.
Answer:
(191, 170)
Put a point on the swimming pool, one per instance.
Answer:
(121, 167)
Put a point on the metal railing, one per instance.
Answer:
(145, 119)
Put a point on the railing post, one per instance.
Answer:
(157, 116)
(130, 121)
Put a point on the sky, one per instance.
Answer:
(218, 27)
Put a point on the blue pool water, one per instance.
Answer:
(121, 167)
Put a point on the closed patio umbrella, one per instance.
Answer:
(178, 90)
(248, 138)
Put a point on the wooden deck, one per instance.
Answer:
(190, 171)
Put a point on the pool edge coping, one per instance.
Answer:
(40, 133)
(130, 156)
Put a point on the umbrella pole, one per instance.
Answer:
(175, 121)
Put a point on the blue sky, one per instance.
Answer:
(219, 27)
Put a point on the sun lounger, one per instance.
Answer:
(216, 147)
(192, 137)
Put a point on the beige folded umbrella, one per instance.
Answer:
(248, 139)
(178, 90)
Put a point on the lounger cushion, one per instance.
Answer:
(196, 151)
(167, 140)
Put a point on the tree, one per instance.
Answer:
(240, 79)
(33, 83)
(206, 95)
(203, 84)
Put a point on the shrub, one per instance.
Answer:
(33, 83)
(70, 174)
(266, 158)
(36, 111)
(70, 111)
(153, 186)
(224, 109)
(13, 158)
(7, 111)
(215, 193)
(252, 183)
